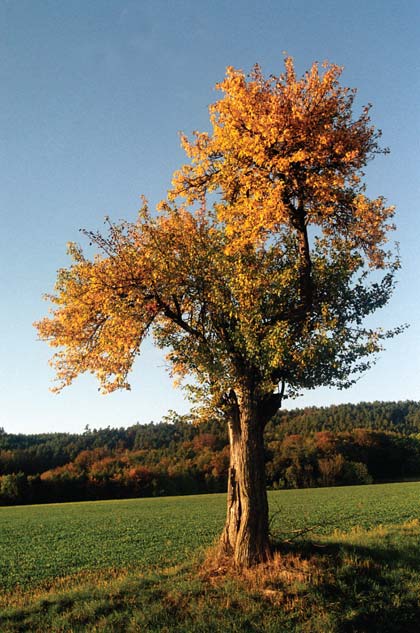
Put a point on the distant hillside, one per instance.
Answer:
(335, 445)
(400, 417)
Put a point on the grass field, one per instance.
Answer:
(132, 565)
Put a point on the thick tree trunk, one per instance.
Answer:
(245, 538)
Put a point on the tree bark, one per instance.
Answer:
(245, 537)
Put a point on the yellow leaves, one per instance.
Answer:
(371, 223)
(75, 251)
(98, 324)
(277, 143)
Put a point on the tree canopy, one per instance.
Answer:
(237, 285)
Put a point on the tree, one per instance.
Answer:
(12, 487)
(254, 273)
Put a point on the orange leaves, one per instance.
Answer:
(98, 323)
(371, 226)
(152, 274)
(280, 143)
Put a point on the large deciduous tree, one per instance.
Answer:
(257, 272)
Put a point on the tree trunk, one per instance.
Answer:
(245, 536)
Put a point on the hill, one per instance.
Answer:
(399, 417)
(337, 445)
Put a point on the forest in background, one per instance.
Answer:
(315, 446)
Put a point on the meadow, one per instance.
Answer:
(348, 559)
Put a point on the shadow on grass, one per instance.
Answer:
(361, 582)
(367, 581)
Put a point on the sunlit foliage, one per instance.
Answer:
(260, 271)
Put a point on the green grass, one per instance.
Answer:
(45, 541)
(132, 565)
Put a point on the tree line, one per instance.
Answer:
(400, 417)
(337, 445)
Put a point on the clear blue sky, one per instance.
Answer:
(93, 95)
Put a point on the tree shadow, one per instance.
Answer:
(366, 588)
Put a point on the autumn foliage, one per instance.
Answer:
(178, 457)
(253, 273)
(286, 153)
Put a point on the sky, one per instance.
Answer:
(93, 96)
